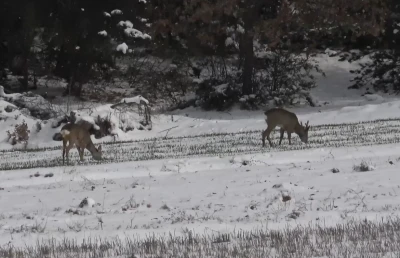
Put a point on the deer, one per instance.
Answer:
(77, 135)
(288, 122)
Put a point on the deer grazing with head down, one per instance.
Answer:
(288, 122)
(77, 135)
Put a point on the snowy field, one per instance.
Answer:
(206, 173)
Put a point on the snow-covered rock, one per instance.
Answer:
(134, 33)
(137, 99)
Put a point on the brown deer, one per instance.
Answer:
(78, 135)
(287, 121)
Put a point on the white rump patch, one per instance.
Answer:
(64, 132)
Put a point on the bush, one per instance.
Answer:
(213, 94)
(382, 72)
(20, 134)
(285, 78)
(363, 167)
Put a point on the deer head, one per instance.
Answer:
(304, 132)
(97, 154)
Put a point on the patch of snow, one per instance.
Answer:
(198, 80)
(228, 41)
(2, 93)
(330, 52)
(116, 12)
(123, 47)
(143, 1)
(134, 33)
(143, 20)
(106, 14)
(86, 118)
(221, 88)
(127, 24)
(240, 29)
(137, 99)
(77, 47)
(373, 97)
(103, 33)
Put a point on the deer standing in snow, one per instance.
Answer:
(287, 121)
(77, 135)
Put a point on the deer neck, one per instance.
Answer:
(298, 129)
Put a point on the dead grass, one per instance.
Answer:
(353, 239)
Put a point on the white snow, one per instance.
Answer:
(127, 24)
(373, 97)
(228, 41)
(116, 12)
(123, 47)
(103, 33)
(137, 99)
(221, 88)
(240, 29)
(330, 51)
(134, 33)
(106, 14)
(89, 119)
(228, 190)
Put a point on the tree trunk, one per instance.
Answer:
(78, 89)
(248, 66)
(70, 86)
(24, 82)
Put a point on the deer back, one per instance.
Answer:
(282, 118)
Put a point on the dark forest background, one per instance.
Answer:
(225, 52)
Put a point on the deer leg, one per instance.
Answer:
(63, 152)
(67, 149)
(282, 131)
(80, 151)
(266, 133)
(288, 136)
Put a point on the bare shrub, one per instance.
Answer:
(20, 134)
(363, 167)
(285, 77)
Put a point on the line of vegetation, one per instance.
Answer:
(351, 239)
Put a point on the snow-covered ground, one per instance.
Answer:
(177, 182)
(205, 194)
